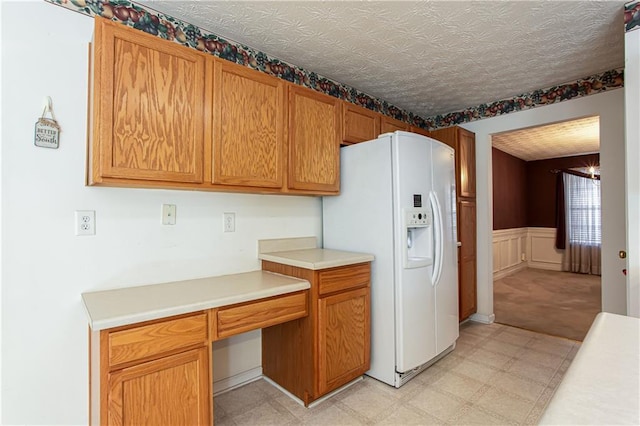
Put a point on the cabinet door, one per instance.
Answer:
(343, 338)
(167, 391)
(467, 163)
(359, 124)
(467, 259)
(314, 141)
(248, 130)
(149, 104)
(419, 131)
(389, 124)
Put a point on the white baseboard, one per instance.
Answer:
(483, 318)
(509, 271)
(546, 265)
(230, 383)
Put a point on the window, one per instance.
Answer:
(583, 210)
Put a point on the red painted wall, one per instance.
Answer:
(541, 186)
(524, 192)
(509, 191)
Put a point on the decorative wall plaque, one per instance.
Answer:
(47, 130)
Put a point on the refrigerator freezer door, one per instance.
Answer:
(446, 287)
(415, 303)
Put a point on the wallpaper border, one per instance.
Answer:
(169, 28)
(632, 15)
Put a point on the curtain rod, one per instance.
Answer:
(574, 172)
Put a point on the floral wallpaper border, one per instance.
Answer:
(632, 15)
(169, 28)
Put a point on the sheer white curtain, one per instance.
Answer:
(583, 219)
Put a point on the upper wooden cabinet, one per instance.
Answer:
(148, 107)
(467, 160)
(464, 144)
(420, 131)
(166, 116)
(389, 124)
(315, 133)
(249, 118)
(359, 124)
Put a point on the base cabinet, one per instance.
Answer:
(167, 391)
(317, 354)
(467, 259)
(343, 338)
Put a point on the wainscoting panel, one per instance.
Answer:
(519, 248)
(541, 250)
(509, 253)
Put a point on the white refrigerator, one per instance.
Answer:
(398, 202)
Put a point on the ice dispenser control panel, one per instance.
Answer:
(415, 218)
(418, 250)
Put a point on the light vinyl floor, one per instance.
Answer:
(496, 375)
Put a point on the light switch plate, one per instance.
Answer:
(168, 214)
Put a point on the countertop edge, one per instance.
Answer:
(286, 259)
(148, 315)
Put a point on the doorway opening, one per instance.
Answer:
(533, 288)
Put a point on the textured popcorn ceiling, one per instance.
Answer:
(427, 57)
(554, 140)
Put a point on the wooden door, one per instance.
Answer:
(249, 141)
(467, 258)
(314, 141)
(466, 153)
(389, 125)
(149, 104)
(359, 124)
(167, 391)
(343, 338)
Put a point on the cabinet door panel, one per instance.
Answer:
(391, 125)
(149, 107)
(344, 339)
(359, 124)
(249, 122)
(167, 391)
(467, 261)
(467, 163)
(314, 140)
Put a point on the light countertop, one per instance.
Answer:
(316, 258)
(112, 308)
(602, 384)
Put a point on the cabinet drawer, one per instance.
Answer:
(154, 339)
(343, 278)
(259, 314)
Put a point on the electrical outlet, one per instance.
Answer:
(85, 222)
(229, 222)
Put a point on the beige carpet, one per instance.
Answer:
(556, 303)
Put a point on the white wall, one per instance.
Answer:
(45, 267)
(609, 106)
(632, 109)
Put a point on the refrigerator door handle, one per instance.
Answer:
(438, 234)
